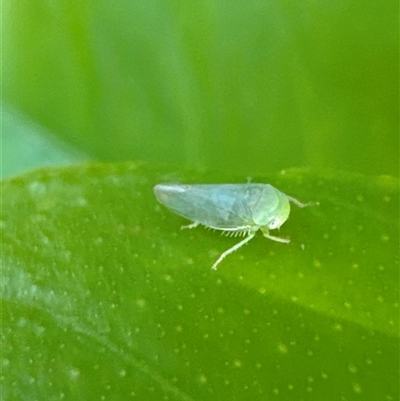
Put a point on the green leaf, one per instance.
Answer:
(26, 145)
(105, 298)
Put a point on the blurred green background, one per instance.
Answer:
(239, 86)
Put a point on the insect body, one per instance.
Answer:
(238, 209)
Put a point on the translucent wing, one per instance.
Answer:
(222, 206)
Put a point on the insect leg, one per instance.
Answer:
(298, 203)
(233, 249)
(277, 239)
(266, 234)
(192, 225)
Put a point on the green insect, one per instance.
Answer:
(240, 209)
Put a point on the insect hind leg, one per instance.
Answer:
(233, 249)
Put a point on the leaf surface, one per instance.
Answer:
(105, 298)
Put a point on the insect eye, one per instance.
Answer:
(274, 223)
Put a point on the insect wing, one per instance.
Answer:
(223, 206)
